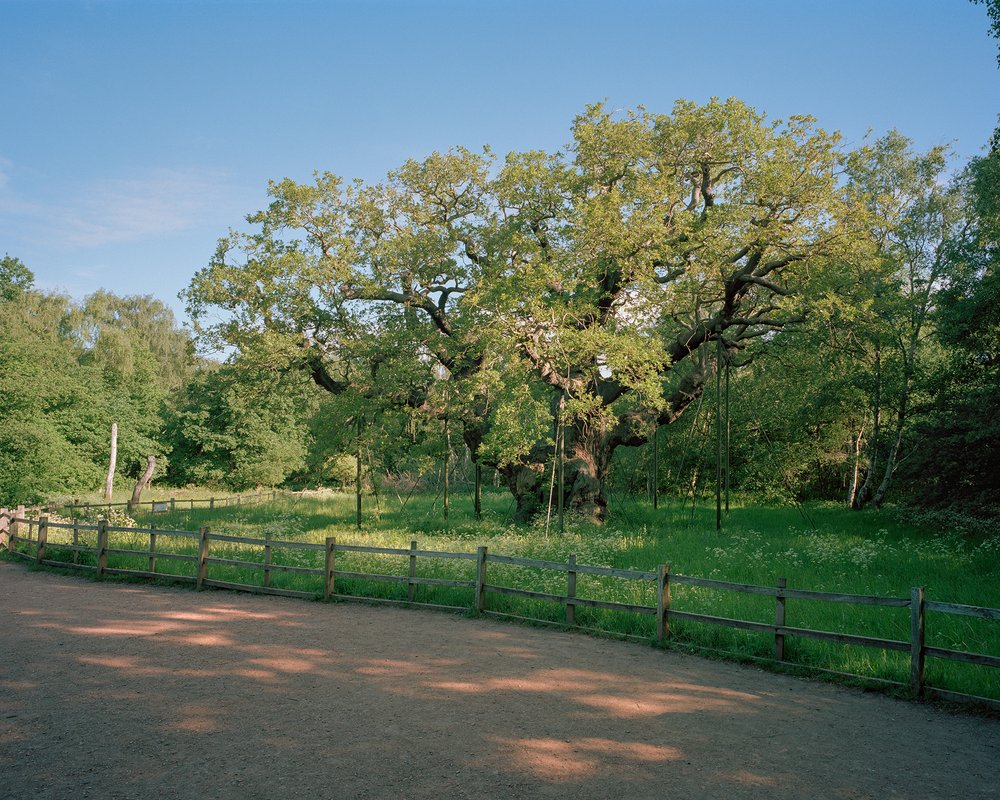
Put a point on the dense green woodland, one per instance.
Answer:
(593, 299)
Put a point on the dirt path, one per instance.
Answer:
(125, 691)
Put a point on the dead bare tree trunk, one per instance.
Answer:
(109, 482)
(141, 483)
(862, 495)
(855, 449)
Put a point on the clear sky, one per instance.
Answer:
(135, 133)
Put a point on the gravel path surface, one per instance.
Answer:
(127, 691)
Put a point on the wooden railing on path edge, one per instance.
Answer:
(36, 540)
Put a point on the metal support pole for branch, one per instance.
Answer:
(447, 463)
(656, 467)
(561, 455)
(478, 502)
(727, 433)
(718, 434)
(357, 477)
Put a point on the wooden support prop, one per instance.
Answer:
(917, 651)
(267, 560)
(663, 602)
(779, 620)
(410, 585)
(331, 564)
(43, 535)
(102, 547)
(571, 589)
(152, 549)
(202, 557)
(481, 579)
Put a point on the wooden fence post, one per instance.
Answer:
(152, 549)
(571, 590)
(5, 527)
(102, 547)
(779, 620)
(411, 587)
(267, 560)
(211, 502)
(480, 579)
(917, 641)
(76, 541)
(202, 557)
(43, 535)
(173, 504)
(331, 563)
(15, 528)
(663, 602)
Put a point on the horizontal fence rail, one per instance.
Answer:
(29, 540)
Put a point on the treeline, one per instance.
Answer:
(69, 370)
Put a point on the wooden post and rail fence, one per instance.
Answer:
(155, 506)
(31, 539)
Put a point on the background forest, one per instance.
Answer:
(880, 382)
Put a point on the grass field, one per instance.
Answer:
(823, 548)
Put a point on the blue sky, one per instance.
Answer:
(134, 134)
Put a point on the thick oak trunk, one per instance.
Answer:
(589, 449)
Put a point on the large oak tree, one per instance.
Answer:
(589, 289)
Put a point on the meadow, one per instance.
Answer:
(814, 547)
